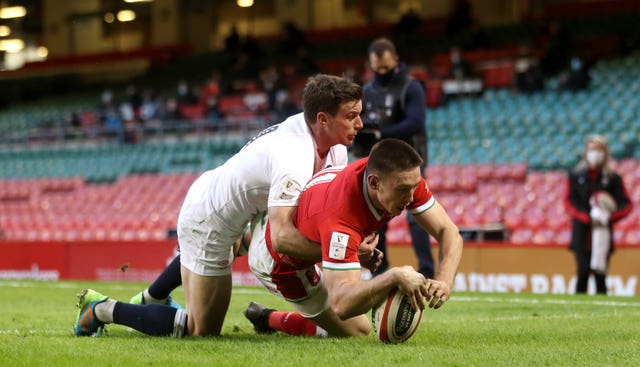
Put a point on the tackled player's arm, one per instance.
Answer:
(437, 222)
(285, 237)
(350, 296)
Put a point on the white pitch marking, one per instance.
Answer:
(491, 299)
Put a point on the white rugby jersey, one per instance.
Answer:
(270, 170)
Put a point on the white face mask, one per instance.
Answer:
(594, 158)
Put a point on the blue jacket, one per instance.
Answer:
(394, 105)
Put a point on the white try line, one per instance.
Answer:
(258, 290)
(532, 301)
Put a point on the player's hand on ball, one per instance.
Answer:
(437, 293)
(413, 284)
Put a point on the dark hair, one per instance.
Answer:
(380, 45)
(326, 93)
(392, 155)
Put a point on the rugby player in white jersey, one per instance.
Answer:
(268, 174)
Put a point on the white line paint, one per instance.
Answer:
(258, 290)
(490, 299)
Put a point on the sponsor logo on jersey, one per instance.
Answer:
(289, 189)
(338, 245)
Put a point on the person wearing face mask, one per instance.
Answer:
(595, 198)
(461, 80)
(394, 106)
(577, 76)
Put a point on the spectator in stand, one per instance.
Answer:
(106, 100)
(184, 94)
(232, 41)
(461, 79)
(528, 77)
(305, 62)
(394, 106)
(556, 47)
(460, 68)
(292, 39)
(73, 120)
(152, 108)
(134, 99)
(405, 29)
(242, 66)
(577, 77)
(110, 117)
(272, 83)
(171, 109)
(408, 23)
(251, 53)
(595, 199)
(210, 95)
(286, 105)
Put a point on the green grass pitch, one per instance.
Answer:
(472, 329)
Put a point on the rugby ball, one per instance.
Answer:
(394, 321)
(604, 200)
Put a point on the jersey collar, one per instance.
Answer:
(365, 192)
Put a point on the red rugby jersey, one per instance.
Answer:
(335, 211)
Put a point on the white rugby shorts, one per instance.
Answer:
(206, 242)
(304, 289)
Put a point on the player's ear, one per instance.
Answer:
(322, 118)
(373, 181)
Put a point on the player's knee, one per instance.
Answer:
(363, 327)
(198, 326)
(203, 330)
(356, 326)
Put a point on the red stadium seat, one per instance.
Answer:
(631, 237)
(192, 112)
(563, 236)
(232, 105)
(534, 218)
(544, 236)
(521, 236)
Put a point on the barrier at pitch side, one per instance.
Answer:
(530, 268)
(485, 267)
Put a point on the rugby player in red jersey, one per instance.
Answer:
(338, 208)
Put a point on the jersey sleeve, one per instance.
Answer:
(423, 199)
(340, 247)
(291, 166)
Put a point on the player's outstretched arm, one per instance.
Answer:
(350, 296)
(437, 222)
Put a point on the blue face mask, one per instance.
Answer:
(576, 64)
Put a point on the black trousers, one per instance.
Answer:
(583, 260)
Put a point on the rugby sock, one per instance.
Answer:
(151, 319)
(321, 332)
(167, 281)
(291, 323)
(104, 310)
